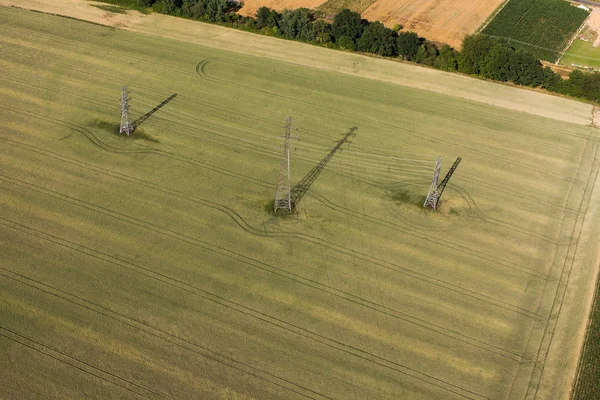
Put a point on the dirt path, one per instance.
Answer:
(593, 22)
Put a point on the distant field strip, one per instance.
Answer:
(151, 266)
(543, 27)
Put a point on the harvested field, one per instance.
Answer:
(151, 267)
(250, 6)
(446, 21)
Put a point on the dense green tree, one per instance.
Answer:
(347, 23)
(262, 17)
(497, 63)
(474, 50)
(550, 79)
(322, 31)
(581, 84)
(377, 39)
(167, 6)
(407, 45)
(207, 10)
(447, 60)
(526, 69)
(426, 54)
(591, 87)
(346, 43)
(267, 18)
(297, 24)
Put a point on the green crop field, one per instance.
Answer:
(586, 385)
(582, 53)
(543, 27)
(152, 266)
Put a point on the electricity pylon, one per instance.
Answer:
(283, 200)
(435, 191)
(432, 197)
(126, 126)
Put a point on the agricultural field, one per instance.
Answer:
(250, 6)
(447, 21)
(585, 49)
(582, 53)
(544, 27)
(152, 266)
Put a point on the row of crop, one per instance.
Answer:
(587, 385)
(543, 27)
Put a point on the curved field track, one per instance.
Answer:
(152, 267)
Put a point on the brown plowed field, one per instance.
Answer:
(446, 21)
(250, 6)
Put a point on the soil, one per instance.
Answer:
(593, 23)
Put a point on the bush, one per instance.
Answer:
(407, 45)
(377, 39)
(346, 43)
(347, 23)
(297, 24)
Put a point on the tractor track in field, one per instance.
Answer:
(521, 197)
(248, 311)
(384, 264)
(567, 268)
(156, 332)
(98, 143)
(201, 70)
(232, 214)
(297, 278)
(378, 185)
(527, 201)
(76, 363)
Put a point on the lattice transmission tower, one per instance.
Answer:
(126, 126)
(435, 191)
(432, 197)
(283, 199)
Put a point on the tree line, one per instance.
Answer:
(481, 55)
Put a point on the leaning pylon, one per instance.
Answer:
(433, 196)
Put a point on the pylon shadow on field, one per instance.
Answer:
(144, 117)
(302, 187)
